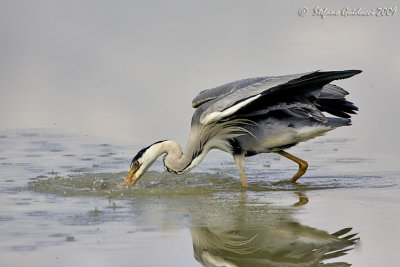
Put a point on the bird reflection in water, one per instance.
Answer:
(281, 241)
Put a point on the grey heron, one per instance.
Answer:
(252, 116)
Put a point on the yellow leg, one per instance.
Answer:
(303, 165)
(239, 159)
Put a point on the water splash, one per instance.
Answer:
(164, 184)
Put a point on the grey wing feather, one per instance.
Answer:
(303, 109)
(210, 94)
(227, 99)
(331, 91)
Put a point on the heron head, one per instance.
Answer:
(142, 161)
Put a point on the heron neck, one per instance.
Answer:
(176, 161)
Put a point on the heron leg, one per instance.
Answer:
(303, 165)
(239, 159)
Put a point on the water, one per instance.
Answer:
(63, 203)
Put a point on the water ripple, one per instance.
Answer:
(157, 184)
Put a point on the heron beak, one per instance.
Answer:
(130, 178)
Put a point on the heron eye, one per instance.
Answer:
(135, 165)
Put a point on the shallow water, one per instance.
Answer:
(62, 203)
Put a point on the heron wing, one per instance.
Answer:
(223, 90)
(292, 93)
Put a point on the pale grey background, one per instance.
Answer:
(126, 71)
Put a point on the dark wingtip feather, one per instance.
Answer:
(351, 73)
(354, 72)
(342, 74)
(318, 78)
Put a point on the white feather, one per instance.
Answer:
(218, 115)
